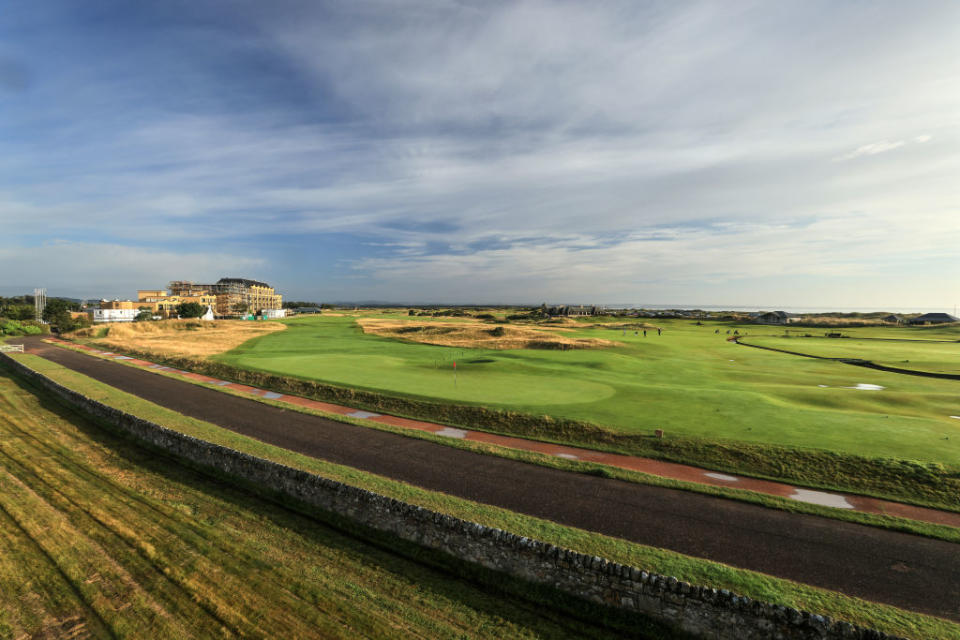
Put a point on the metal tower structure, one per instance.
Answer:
(39, 302)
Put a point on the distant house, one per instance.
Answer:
(772, 317)
(893, 319)
(934, 318)
(115, 315)
(570, 310)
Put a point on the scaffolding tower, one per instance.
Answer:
(39, 303)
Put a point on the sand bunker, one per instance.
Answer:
(821, 498)
(480, 335)
(861, 386)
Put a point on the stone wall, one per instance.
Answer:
(699, 611)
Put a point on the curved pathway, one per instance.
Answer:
(857, 362)
(908, 571)
(650, 466)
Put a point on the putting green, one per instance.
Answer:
(412, 377)
(689, 381)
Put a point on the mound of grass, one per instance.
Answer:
(475, 335)
(193, 338)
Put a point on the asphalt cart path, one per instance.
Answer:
(904, 570)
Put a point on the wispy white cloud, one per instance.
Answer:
(503, 139)
(873, 149)
(84, 269)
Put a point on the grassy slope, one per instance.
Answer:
(99, 535)
(693, 570)
(689, 381)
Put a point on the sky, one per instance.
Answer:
(747, 154)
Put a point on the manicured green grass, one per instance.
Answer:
(941, 532)
(694, 570)
(101, 538)
(689, 381)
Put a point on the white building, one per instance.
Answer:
(115, 315)
(274, 313)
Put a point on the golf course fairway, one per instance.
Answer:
(689, 381)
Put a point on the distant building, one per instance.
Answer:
(893, 319)
(934, 318)
(274, 313)
(160, 303)
(570, 310)
(114, 315)
(233, 296)
(772, 317)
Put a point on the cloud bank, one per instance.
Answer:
(801, 154)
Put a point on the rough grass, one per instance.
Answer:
(759, 586)
(101, 538)
(195, 338)
(476, 335)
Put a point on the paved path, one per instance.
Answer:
(885, 566)
(632, 463)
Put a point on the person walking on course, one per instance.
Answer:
(658, 330)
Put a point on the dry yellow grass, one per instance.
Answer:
(195, 338)
(841, 322)
(479, 335)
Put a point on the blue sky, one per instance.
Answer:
(744, 153)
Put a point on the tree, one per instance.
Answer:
(240, 307)
(19, 312)
(190, 309)
(146, 314)
(55, 308)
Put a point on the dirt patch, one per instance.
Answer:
(194, 338)
(479, 335)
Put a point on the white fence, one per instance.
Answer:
(10, 348)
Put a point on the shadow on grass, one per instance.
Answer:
(547, 612)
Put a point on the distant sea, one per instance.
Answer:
(734, 307)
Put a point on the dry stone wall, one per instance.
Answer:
(699, 611)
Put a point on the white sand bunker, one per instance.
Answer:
(823, 386)
(821, 498)
(957, 417)
(722, 476)
(862, 386)
(450, 432)
(568, 456)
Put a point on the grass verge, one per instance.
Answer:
(697, 571)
